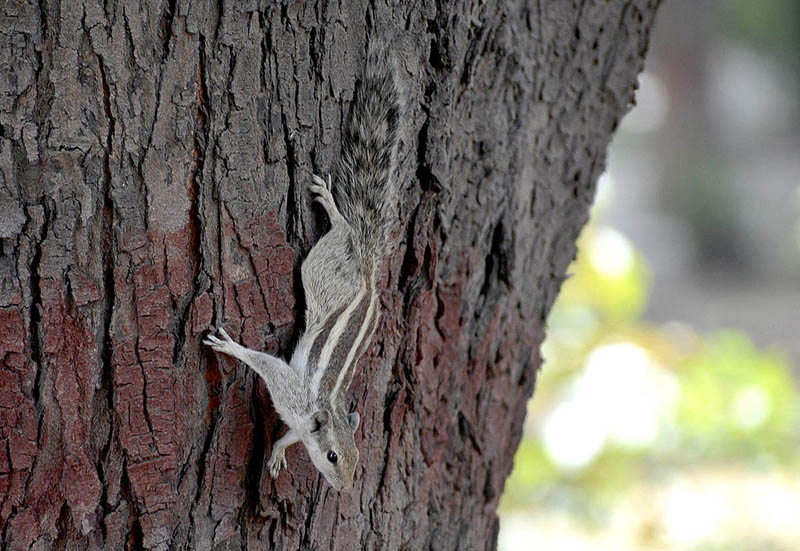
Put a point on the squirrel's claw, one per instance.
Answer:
(220, 345)
(224, 334)
(320, 181)
(321, 190)
(276, 463)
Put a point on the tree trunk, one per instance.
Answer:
(154, 158)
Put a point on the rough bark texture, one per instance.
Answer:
(153, 163)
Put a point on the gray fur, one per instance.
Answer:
(365, 189)
(339, 280)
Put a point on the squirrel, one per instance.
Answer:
(339, 278)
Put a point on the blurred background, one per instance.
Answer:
(667, 412)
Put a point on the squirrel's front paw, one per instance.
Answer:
(224, 345)
(276, 463)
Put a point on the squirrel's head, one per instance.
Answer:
(332, 447)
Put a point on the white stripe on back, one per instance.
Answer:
(357, 343)
(333, 338)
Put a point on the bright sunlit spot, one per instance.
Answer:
(621, 395)
(751, 408)
(704, 503)
(692, 512)
(573, 435)
(630, 394)
(611, 253)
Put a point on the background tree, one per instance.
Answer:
(153, 162)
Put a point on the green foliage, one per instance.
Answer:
(609, 281)
(731, 401)
(533, 473)
(737, 402)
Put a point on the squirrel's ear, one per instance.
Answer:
(318, 420)
(353, 420)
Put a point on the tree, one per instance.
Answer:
(153, 161)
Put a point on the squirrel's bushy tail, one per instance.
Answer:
(365, 187)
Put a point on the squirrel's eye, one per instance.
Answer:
(332, 457)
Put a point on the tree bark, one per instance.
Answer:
(154, 158)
